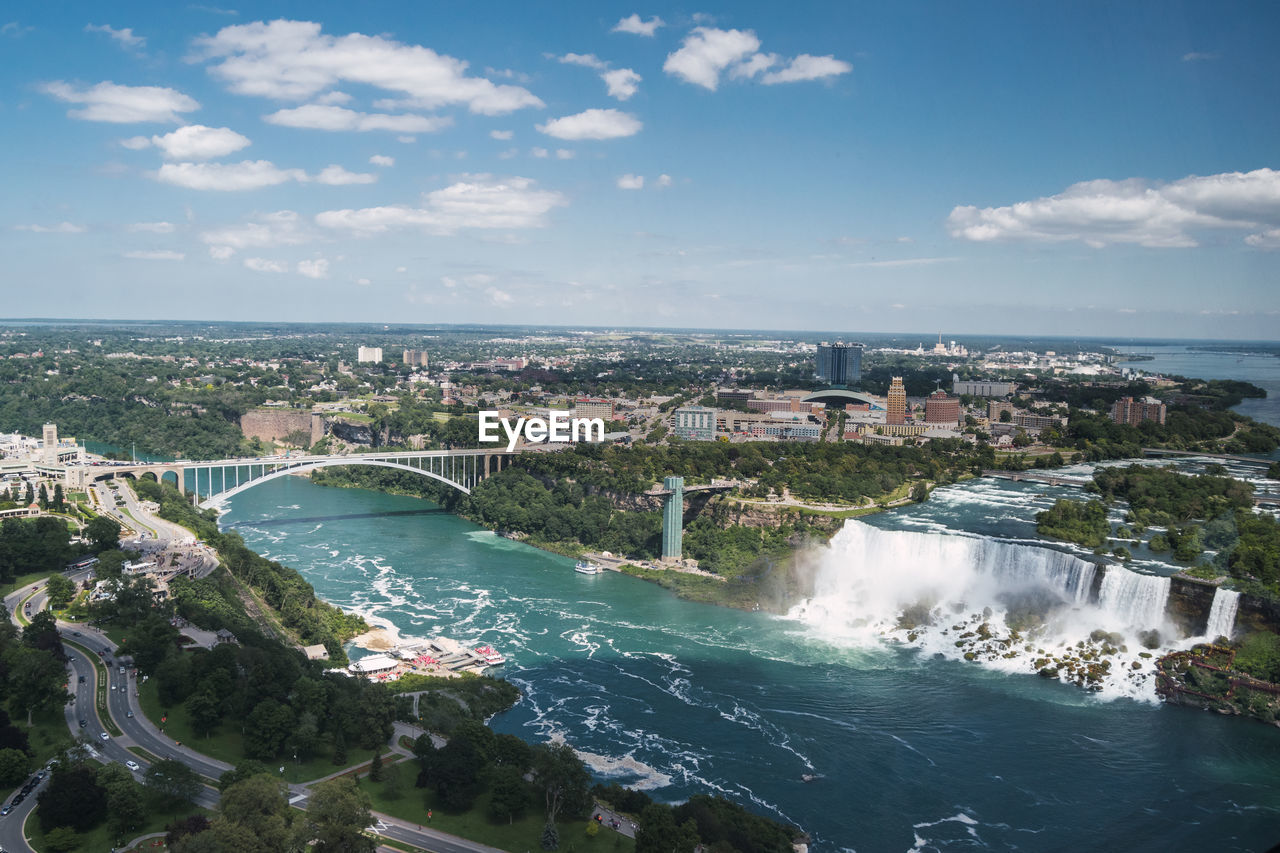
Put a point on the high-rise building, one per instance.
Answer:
(1133, 412)
(415, 358)
(995, 407)
(896, 406)
(367, 355)
(694, 423)
(839, 364)
(50, 444)
(939, 408)
(673, 519)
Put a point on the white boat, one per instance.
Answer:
(586, 568)
(491, 656)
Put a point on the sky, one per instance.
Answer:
(1085, 168)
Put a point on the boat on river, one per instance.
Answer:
(587, 568)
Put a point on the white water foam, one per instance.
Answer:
(1010, 607)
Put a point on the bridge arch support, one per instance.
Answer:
(328, 463)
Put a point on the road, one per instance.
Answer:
(139, 731)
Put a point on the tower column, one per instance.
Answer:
(673, 519)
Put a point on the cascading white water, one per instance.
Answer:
(1013, 607)
(1222, 613)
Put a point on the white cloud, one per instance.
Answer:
(707, 52)
(1269, 239)
(136, 143)
(155, 255)
(592, 124)
(122, 104)
(60, 228)
(14, 30)
(497, 297)
(540, 153)
(806, 67)
(153, 227)
(336, 176)
(1198, 56)
(508, 154)
(632, 24)
(334, 97)
(407, 140)
(319, 268)
(478, 201)
(196, 142)
(230, 177)
(327, 117)
(363, 282)
(125, 36)
(564, 154)
(294, 60)
(382, 160)
(586, 60)
(268, 231)
(500, 134)
(622, 83)
(1134, 211)
(663, 181)
(264, 265)
(631, 182)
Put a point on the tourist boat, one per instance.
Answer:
(491, 656)
(586, 568)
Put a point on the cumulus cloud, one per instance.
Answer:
(122, 104)
(264, 265)
(153, 227)
(155, 255)
(294, 60)
(540, 153)
(477, 201)
(318, 268)
(564, 154)
(60, 228)
(592, 124)
(621, 83)
(708, 52)
(382, 160)
(266, 231)
(193, 142)
(634, 25)
(1198, 56)
(252, 175)
(1269, 239)
(1133, 211)
(631, 182)
(125, 37)
(500, 134)
(328, 117)
(663, 181)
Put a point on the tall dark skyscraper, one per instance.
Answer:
(840, 364)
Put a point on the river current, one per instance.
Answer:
(914, 748)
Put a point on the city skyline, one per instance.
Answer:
(1089, 171)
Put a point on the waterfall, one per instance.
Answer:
(1007, 606)
(1138, 600)
(1222, 613)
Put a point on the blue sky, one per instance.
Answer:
(1078, 169)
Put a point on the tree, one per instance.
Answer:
(14, 766)
(61, 589)
(62, 839)
(37, 682)
(509, 794)
(103, 534)
(73, 798)
(455, 771)
(205, 713)
(171, 782)
(43, 500)
(563, 778)
(59, 500)
(254, 817)
(338, 815)
(267, 728)
(150, 641)
(375, 767)
(246, 769)
(185, 827)
(42, 633)
(125, 808)
(550, 836)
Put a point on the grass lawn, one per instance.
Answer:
(227, 743)
(23, 580)
(101, 693)
(523, 835)
(48, 735)
(99, 840)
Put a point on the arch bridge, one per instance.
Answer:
(214, 481)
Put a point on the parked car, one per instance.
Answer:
(83, 723)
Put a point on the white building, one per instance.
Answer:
(367, 355)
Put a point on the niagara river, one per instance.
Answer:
(914, 747)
